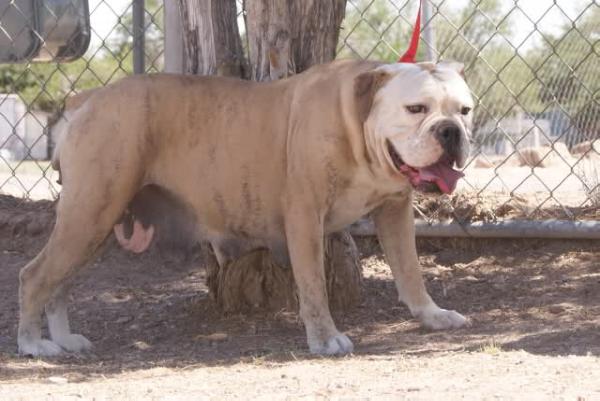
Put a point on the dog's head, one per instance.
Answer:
(416, 120)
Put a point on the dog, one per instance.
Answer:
(277, 165)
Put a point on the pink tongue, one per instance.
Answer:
(442, 174)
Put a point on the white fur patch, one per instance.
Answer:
(444, 93)
(436, 318)
(338, 344)
(60, 332)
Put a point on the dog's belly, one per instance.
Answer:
(230, 208)
(222, 219)
(234, 191)
(235, 228)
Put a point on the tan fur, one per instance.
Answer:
(277, 165)
(72, 103)
(76, 101)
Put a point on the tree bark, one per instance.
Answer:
(211, 40)
(289, 36)
(255, 281)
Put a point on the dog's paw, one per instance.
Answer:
(39, 348)
(74, 343)
(436, 318)
(338, 344)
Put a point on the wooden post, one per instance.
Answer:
(211, 40)
(174, 60)
(139, 39)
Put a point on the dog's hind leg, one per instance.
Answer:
(58, 322)
(40, 281)
(86, 214)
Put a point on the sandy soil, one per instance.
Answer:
(534, 308)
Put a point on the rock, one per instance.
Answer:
(124, 319)
(556, 309)
(482, 162)
(587, 148)
(212, 338)
(58, 380)
(141, 345)
(546, 156)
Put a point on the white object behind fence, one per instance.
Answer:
(21, 131)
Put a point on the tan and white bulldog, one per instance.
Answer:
(244, 164)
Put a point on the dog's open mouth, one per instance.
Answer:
(439, 176)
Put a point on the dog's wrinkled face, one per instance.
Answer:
(416, 120)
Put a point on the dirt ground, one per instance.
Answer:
(534, 308)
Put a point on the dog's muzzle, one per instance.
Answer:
(448, 134)
(437, 177)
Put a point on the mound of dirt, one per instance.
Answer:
(466, 207)
(25, 223)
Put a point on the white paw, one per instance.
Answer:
(39, 348)
(436, 318)
(338, 344)
(74, 342)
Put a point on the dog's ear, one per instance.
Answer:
(453, 65)
(365, 87)
(427, 65)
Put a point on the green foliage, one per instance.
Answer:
(16, 79)
(560, 72)
(375, 30)
(568, 66)
(44, 85)
(476, 36)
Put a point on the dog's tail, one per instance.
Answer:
(59, 127)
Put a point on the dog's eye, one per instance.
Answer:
(465, 110)
(416, 108)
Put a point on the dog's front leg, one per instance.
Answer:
(394, 221)
(304, 232)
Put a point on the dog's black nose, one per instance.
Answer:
(449, 137)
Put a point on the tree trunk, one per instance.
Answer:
(284, 37)
(211, 40)
(289, 36)
(255, 281)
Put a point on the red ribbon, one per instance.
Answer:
(411, 52)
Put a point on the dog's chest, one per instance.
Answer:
(362, 195)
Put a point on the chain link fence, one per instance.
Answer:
(33, 93)
(533, 67)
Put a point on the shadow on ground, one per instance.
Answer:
(148, 311)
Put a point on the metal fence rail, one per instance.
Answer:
(533, 67)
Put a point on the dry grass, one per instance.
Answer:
(492, 347)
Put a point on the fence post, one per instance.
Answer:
(138, 11)
(173, 38)
(429, 31)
